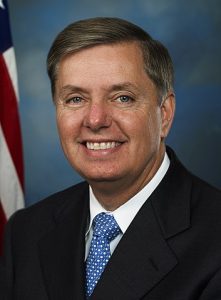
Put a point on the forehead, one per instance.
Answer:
(102, 66)
(126, 52)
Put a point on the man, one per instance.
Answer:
(112, 87)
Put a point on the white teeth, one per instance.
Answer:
(101, 146)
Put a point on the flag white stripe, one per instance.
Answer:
(9, 57)
(10, 188)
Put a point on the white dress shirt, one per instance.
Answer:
(125, 214)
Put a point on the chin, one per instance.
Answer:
(100, 177)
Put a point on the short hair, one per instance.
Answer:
(100, 31)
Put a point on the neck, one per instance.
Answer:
(113, 194)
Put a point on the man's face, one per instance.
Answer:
(109, 119)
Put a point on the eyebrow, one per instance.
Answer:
(123, 86)
(115, 87)
(72, 89)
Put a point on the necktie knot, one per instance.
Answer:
(104, 225)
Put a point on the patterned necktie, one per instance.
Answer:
(105, 229)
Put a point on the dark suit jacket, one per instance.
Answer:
(171, 250)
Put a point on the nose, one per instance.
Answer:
(98, 116)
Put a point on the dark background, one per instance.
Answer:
(190, 29)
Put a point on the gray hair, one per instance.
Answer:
(97, 31)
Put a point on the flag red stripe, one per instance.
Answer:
(9, 119)
(2, 224)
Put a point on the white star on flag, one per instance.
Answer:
(1, 4)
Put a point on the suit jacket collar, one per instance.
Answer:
(171, 200)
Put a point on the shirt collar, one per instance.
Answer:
(126, 212)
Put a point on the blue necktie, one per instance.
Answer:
(105, 229)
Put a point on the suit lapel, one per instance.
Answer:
(143, 257)
(171, 200)
(62, 250)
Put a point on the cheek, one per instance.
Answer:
(66, 124)
(61, 125)
(142, 124)
(154, 124)
(147, 129)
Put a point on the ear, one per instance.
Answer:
(167, 113)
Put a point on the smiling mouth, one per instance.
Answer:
(102, 145)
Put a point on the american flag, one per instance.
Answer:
(11, 160)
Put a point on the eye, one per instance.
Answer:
(74, 100)
(124, 99)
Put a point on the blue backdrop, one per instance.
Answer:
(190, 29)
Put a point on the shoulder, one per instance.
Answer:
(204, 189)
(197, 193)
(43, 213)
(57, 200)
(206, 203)
(179, 174)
